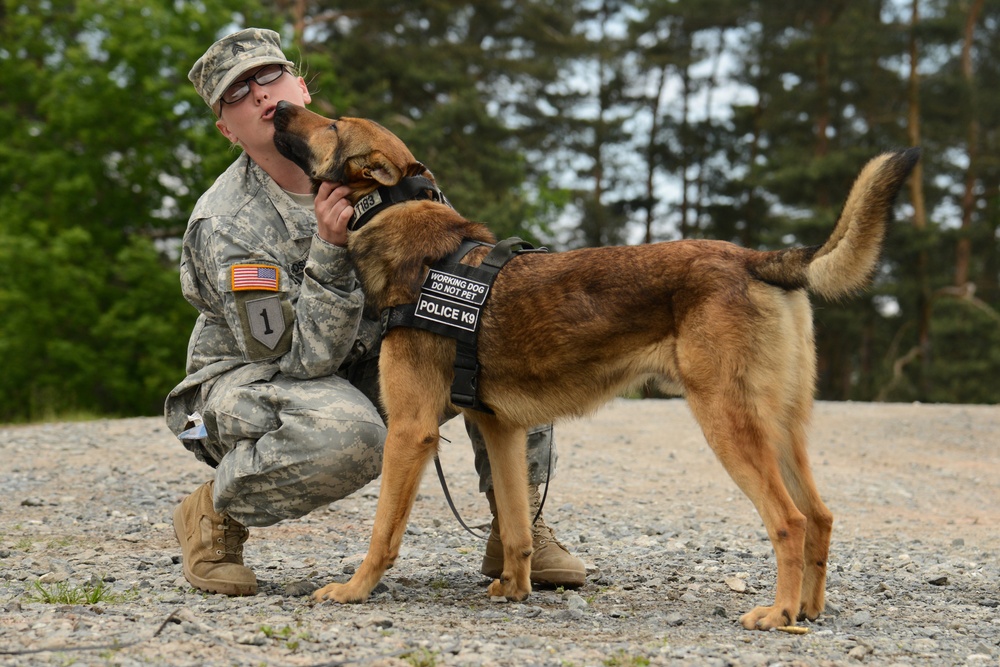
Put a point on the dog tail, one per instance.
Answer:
(846, 262)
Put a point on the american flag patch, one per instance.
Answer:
(255, 277)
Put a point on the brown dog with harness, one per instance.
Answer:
(560, 334)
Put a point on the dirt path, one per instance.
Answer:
(914, 576)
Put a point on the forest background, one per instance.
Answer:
(569, 122)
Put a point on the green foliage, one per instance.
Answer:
(436, 74)
(421, 658)
(966, 354)
(106, 148)
(65, 593)
(622, 659)
(567, 122)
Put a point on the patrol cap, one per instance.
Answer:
(230, 57)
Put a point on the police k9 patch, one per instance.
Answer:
(452, 300)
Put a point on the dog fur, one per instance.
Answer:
(562, 333)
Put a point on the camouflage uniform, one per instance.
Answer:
(281, 365)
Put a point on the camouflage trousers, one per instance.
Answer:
(285, 446)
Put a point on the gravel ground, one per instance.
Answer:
(675, 553)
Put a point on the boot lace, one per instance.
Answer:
(541, 535)
(232, 537)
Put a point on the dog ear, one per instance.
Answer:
(379, 168)
(418, 169)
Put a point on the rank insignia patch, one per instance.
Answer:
(254, 277)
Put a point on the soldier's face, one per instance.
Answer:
(248, 121)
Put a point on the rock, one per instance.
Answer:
(860, 618)
(674, 619)
(299, 588)
(859, 652)
(736, 584)
(668, 600)
(377, 621)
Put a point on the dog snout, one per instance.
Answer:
(289, 140)
(283, 115)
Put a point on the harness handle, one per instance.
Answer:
(504, 250)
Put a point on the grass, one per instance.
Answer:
(421, 658)
(271, 633)
(622, 659)
(65, 593)
(293, 638)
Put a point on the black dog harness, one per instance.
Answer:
(453, 294)
(450, 304)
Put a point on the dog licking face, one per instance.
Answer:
(317, 146)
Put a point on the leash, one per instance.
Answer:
(454, 509)
(451, 503)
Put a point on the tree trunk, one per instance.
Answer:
(964, 250)
(711, 83)
(919, 210)
(654, 109)
(823, 23)
(685, 100)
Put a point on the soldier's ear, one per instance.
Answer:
(226, 132)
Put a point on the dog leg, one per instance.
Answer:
(799, 480)
(506, 447)
(404, 458)
(747, 450)
(413, 397)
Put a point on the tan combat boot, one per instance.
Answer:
(212, 546)
(551, 563)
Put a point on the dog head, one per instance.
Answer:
(356, 152)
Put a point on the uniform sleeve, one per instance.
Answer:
(258, 309)
(327, 314)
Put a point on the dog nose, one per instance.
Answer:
(282, 114)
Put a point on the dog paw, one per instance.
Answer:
(507, 590)
(766, 618)
(342, 593)
(810, 611)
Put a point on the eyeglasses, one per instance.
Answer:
(240, 89)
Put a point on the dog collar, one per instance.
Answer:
(408, 189)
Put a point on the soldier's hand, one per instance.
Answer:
(333, 212)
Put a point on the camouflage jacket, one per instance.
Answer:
(272, 296)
